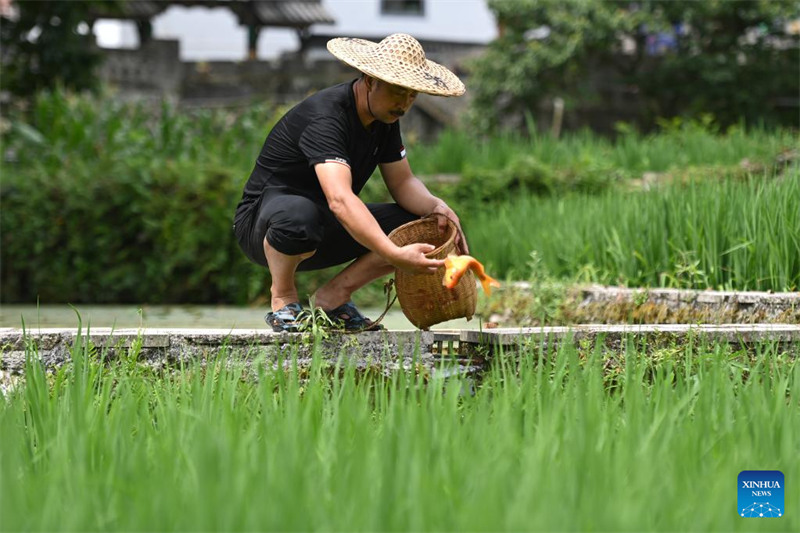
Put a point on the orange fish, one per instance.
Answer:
(457, 265)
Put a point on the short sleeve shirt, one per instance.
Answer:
(323, 128)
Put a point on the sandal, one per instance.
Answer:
(351, 319)
(287, 318)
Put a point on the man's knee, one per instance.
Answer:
(295, 228)
(270, 249)
(294, 240)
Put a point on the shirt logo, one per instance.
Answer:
(341, 160)
(402, 151)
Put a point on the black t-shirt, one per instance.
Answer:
(323, 127)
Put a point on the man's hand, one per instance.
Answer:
(412, 258)
(443, 209)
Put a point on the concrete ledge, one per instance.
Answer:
(160, 347)
(601, 304)
(386, 351)
(782, 300)
(787, 335)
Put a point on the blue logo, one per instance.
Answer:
(761, 494)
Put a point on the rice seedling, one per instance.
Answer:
(676, 144)
(720, 235)
(549, 440)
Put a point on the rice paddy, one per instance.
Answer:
(546, 440)
(724, 235)
(719, 209)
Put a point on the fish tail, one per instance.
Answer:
(487, 282)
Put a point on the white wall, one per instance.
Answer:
(448, 20)
(214, 34)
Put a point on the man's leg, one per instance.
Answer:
(340, 288)
(282, 268)
(292, 230)
(366, 268)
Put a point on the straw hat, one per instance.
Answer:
(399, 60)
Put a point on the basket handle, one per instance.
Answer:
(458, 228)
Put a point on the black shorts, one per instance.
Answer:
(295, 224)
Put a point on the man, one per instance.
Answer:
(300, 208)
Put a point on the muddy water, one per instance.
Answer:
(183, 316)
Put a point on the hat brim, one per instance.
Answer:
(429, 78)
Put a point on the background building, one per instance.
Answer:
(214, 33)
(213, 52)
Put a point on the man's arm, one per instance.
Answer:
(413, 196)
(336, 182)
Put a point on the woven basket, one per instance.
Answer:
(423, 298)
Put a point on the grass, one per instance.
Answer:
(551, 441)
(678, 143)
(722, 234)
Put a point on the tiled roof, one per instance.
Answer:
(278, 13)
(286, 13)
(130, 10)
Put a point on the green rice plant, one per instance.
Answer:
(720, 235)
(495, 169)
(677, 143)
(548, 440)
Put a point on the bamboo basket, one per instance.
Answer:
(423, 298)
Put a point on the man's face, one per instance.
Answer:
(390, 102)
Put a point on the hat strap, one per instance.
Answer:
(369, 108)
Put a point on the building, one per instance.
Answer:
(217, 52)
(211, 31)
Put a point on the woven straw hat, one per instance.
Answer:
(399, 60)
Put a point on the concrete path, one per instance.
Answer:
(746, 333)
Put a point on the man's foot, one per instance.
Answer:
(287, 318)
(351, 319)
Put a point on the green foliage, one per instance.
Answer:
(734, 61)
(517, 72)
(124, 203)
(50, 44)
(730, 59)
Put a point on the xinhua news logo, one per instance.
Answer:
(761, 494)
